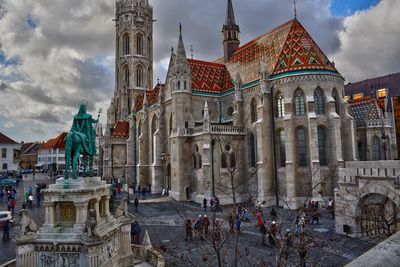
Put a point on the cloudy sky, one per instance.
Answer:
(53, 53)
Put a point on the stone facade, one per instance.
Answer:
(272, 120)
(368, 198)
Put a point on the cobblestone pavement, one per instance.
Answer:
(164, 222)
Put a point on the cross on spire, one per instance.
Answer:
(295, 9)
(191, 50)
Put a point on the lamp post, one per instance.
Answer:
(212, 168)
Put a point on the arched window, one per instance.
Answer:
(319, 104)
(375, 149)
(149, 48)
(299, 102)
(139, 44)
(282, 148)
(253, 110)
(178, 85)
(125, 44)
(253, 151)
(321, 146)
(224, 163)
(194, 161)
(153, 138)
(139, 76)
(4, 153)
(232, 160)
(126, 75)
(170, 125)
(280, 105)
(335, 96)
(301, 147)
(200, 163)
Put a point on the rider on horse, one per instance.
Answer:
(81, 139)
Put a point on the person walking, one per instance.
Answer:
(331, 208)
(231, 221)
(273, 214)
(263, 231)
(136, 203)
(6, 231)
(189, 230)
(238, 223)
(135, 232)
(206, 225)
(205, 204)
(199, 226)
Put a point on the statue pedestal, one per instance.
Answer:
(65, 240)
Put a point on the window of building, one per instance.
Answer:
(375, 149)
(4, 153)
(253, 150)
(282, 148)
(200, 163)
(319, 103)
(170, 124)
(299, 102)
(5, 166)
(230, 111)
(358, 96)
(224, 163)
(232, 160)
(153, 138)
(126, 75)
(139, 76)
(139, 44)
(280, 105)
(301, 147)
(335, 96)
(194, 161)
(253, 110)
(139, 128)
(321, 146)
(149, 48)
(125, 44)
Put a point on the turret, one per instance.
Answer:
(230, 33)
(181, 71)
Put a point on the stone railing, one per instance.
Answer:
(376, 169)
(226, 129)
(378, 123)
(151, 256)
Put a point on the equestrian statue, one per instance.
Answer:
(80, 143)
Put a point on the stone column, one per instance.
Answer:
(81, 214)
(107, 206)
(290, 147)
(314, 154)
(49, 218)
(97, 209)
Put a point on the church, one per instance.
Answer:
(264, 122)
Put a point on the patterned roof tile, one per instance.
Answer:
(120, 130)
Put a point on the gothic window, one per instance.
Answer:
(253, 110)
(125, 44)
(179, 85)
(319, 104)
(301, 147)
(149, 48)
(375, 149)
(194, 161)
(281, 105)
(170, 124)
(335, 96)
(200, 163)
(139, 44)
(299, 102)
(230, 111)
(224, 163)
(184, 85)
(4, 153)
(126, 75)
(149, 78)
(153, 138)
(282, 148)
(253, 150)
(139, 76)
(232, 160)
(321, 146)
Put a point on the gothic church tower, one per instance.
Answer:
(134, 53)
(230, 33)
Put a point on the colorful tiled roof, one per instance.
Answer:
(286, 48)
(152, 96)
(120, 130)
(6, 140)
(363, 110)
(209, 76)
(55, 143)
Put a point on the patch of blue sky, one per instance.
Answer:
(8, 61)
(32, 23)
(343, 8)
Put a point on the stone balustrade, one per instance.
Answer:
(376, 169)
(378, 123)
(226, 129)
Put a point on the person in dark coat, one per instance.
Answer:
(135, 232)
(205, 204)
(6, 231)
(189, 229)
(136, 203)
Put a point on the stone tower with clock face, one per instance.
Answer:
(134, 54)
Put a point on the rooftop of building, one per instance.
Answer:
(4, 139)
(58, 142)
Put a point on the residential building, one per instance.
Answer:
(52, 153)
(9, 153)
(29, 155)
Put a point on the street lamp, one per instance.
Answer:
(212, 168)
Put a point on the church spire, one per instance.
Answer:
(230, 32)
(181, 47)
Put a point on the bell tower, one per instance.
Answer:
(230, 33)
(133, 53)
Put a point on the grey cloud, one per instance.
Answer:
(49, 117)
(4, 87)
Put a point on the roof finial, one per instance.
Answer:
(295, 9)
(180, 27)
(191, 51)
